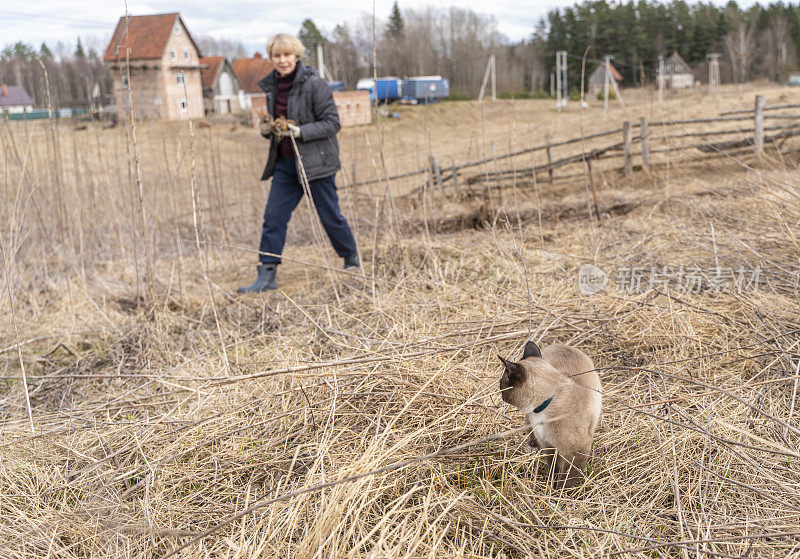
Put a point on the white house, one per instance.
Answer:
(222, 90)
(14, 99)
(677, 72)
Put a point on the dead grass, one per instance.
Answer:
(162, 409)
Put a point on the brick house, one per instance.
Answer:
(165, 81)
(354, 107)
(222, 90)
(250, 71)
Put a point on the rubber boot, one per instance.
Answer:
(264, 281)
(352, 261)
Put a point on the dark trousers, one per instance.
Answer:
(285, 194)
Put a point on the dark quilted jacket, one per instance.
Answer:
(311, 106)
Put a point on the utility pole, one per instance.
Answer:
(606, 67)
(494, 80)
(558, 80)
(713, 72)
(490, 69)
(320, 61)
(561, 79)
(660, 78)
(609, 79)
(617, 92)
(564, 79)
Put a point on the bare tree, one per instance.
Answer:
(781, 45)
(342, 57)
(230, 49)
(740, 43)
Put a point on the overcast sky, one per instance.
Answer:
(250, 21)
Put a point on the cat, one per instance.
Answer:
(560, 394)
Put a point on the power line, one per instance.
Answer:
(618, 62)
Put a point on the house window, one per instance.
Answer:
(179, 79)
(124, 80)
(186, 55)
(173, 55)
(183, 105)
(177, 28)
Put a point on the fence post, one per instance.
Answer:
(758, 124)
(549, 159)
(645, 144)
(436, 174)
(353, 176)
(455, 178)
(627, 139)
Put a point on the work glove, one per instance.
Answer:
(294, 131)
(264, 128)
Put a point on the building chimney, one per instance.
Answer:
(5, 90)
(257, 55)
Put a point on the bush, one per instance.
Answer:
(458, 96)
(508, 94)
(611, 94)
(574, 94)
(541, 94)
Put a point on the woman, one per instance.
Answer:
(297, 92)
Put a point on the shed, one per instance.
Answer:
(677, 72)
(424, 89)
(14, 99)
(354, 107)
(598, 77)
(222, 90)
(387, 89)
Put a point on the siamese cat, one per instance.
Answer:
(561, 402)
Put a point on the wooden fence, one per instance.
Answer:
(456, 177)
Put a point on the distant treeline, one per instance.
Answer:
(77, 77)
(756, 42)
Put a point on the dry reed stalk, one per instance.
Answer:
(131, 122)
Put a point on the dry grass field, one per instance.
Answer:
(146, 408)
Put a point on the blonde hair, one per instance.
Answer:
(285, 43)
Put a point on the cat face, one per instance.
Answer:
(515, 388)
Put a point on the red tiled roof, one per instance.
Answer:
(209, 75)
(147, 37)
(251, 70)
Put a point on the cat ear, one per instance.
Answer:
(531, 350)
(516, 372)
